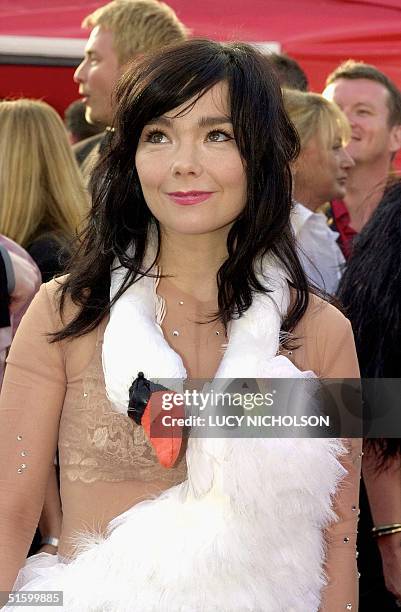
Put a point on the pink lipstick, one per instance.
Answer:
(189, 198)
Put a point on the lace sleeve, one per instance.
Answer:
(340, 361)
(341, 592)
(30, 405)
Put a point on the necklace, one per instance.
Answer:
(217, 332)
(182, 315)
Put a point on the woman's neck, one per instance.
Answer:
(192, 262)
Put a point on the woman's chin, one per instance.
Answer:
(197, 229)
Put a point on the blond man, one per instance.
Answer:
(120, 31)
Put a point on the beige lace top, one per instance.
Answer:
(54, 394)
(98, 443)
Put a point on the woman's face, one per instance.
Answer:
(322, 169)
(190, 169)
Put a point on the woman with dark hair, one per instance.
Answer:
(187, 270)
(371, 293)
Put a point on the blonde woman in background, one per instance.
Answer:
(320, 175)
(42, 196)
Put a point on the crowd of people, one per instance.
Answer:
(201, 215)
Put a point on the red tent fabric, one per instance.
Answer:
(318, 33)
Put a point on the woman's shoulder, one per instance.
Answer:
(325, 342)
(51, 295)
(46, 317)
(323, 316)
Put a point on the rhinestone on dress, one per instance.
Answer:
(353, 508)
(23, 466)
(217, 333)
(290, 352)
(19, 437)
(85, 394)
(24, 453)
(181, 303)
(20, 471)
(176, 333)
(346, 540)
(348, 606)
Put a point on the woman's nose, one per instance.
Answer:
(186, 160)
(346, 159)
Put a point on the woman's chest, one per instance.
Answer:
(98, 443)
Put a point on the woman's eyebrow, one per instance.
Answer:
(212, 121)
(162, 120)
(203, 121)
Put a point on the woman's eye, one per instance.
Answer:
(156, 137)
(218, 136)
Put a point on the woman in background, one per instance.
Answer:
(320, 175)
(43, 200)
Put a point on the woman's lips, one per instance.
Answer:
(189, 198)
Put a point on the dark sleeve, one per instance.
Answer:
(83, 148)
(4, 298)
(50, 256)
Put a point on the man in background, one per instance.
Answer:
(289, 72)
(372, 104)
(120, 31)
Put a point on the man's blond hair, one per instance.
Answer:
(138, 26)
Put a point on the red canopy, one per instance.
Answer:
(318, 33)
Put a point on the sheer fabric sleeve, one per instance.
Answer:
(339, 360)
(30, 406)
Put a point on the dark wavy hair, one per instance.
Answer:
(370, 292)
(267, 142)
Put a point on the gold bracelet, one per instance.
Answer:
(379, 534)
(381, 527)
